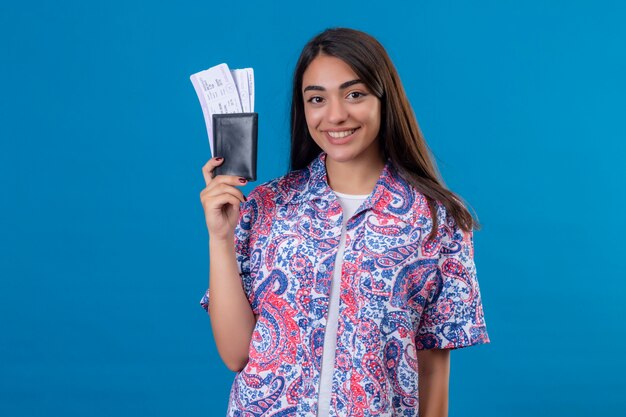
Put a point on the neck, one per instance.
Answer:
(355, 176)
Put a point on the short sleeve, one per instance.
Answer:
(453, 313)
(242, 236)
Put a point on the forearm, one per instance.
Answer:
(434, 377)
(231, 316)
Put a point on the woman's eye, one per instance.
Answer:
(315, 100)
(355, 94)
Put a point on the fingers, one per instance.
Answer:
(220, 187)
(231, 180)
(207, 169)
(219, 201)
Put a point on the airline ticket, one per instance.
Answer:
(221, 90)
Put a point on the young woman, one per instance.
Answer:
(340, 288)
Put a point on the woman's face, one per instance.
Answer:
(342, 115)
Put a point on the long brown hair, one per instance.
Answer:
(400, 138)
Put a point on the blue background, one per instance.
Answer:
(104, 247)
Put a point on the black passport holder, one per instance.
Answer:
(235, 139)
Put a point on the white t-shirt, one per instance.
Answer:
(349, 204)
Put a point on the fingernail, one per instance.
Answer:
(219, 158)
(243, 180)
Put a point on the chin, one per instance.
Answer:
(345, 154)
(340, 155)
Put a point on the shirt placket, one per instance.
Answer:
(307, 406)
(344, 366)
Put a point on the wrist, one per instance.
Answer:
(221, 242)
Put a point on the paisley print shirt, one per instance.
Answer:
(399, 293)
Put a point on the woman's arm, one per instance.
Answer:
(232, 319)
(434, 377)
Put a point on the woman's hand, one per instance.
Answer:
(220, 200)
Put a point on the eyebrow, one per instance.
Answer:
(341, 87)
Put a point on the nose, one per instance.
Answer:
(337, 112)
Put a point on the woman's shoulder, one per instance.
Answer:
(426, 220)
(403, 198)
(418, 209)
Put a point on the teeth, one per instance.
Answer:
(343, 134)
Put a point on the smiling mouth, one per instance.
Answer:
(342, 134)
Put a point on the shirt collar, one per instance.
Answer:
(392, 194)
